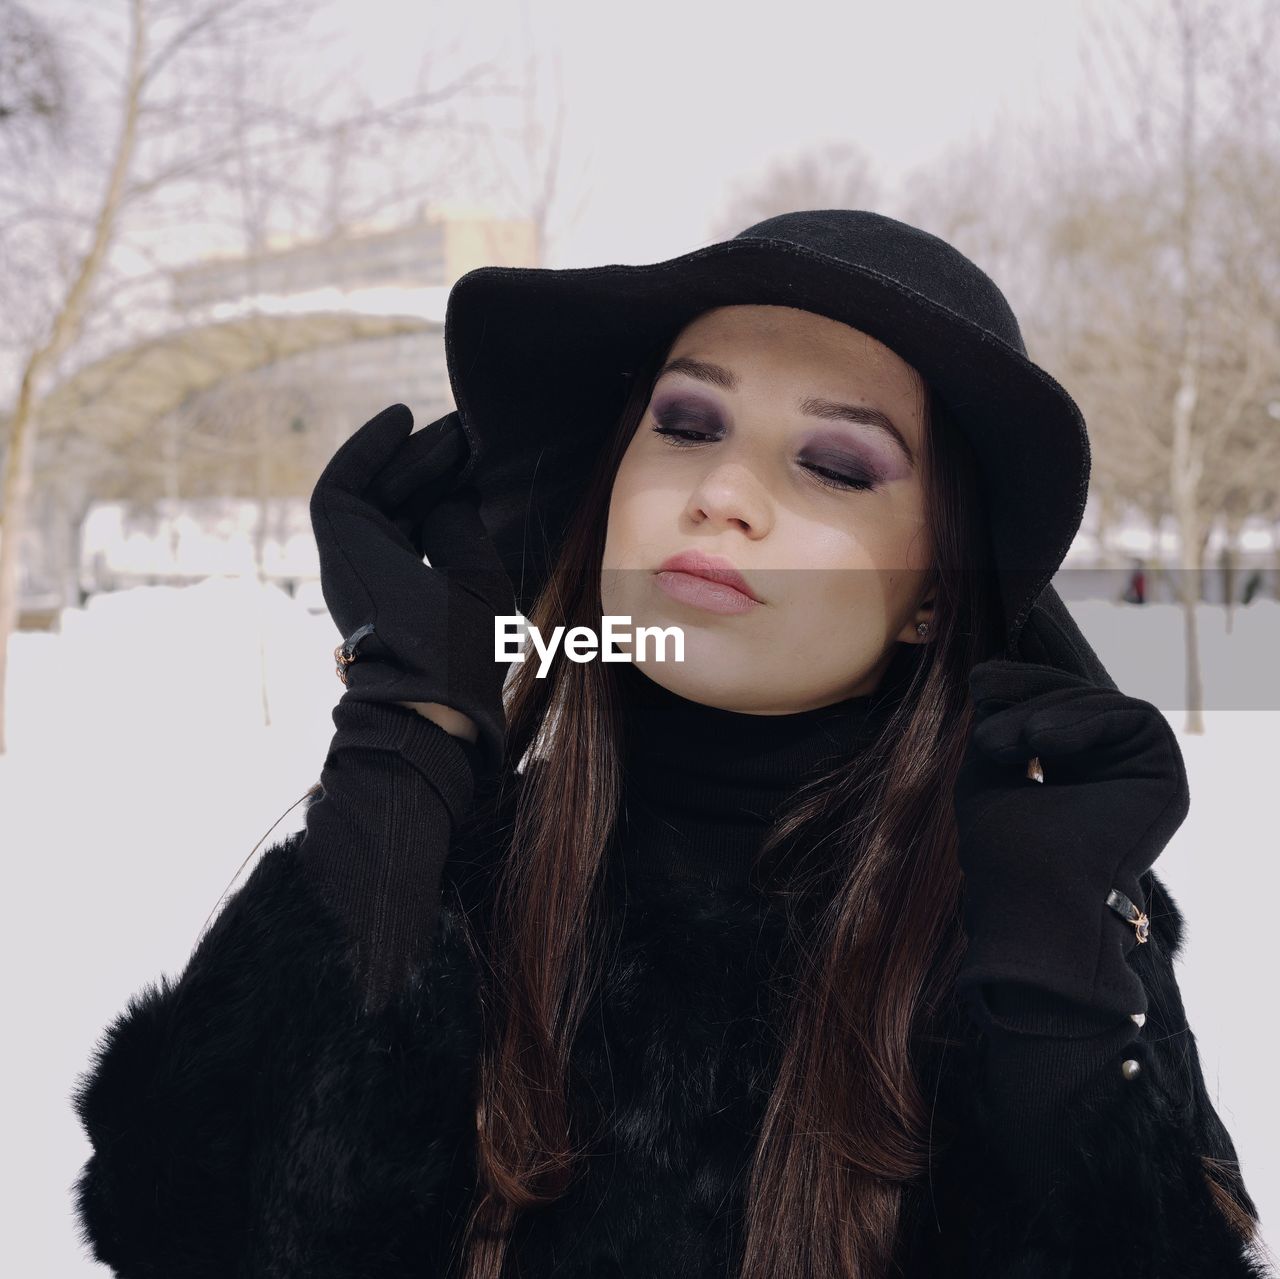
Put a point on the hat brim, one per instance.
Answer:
(539, 358)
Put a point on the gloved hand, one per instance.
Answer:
(386, 498)
(1040, 858)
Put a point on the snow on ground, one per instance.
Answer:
(141, 776)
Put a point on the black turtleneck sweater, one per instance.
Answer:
(702, 785)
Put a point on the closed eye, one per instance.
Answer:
(681, 437)
(837, 479)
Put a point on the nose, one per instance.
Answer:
(730, 494)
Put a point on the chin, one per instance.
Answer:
(709, 682)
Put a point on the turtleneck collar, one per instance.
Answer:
(702, 785)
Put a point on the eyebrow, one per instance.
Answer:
(812, 405)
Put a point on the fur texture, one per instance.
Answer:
(249, 1119)
(674, 1066)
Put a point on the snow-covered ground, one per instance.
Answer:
(141, 776)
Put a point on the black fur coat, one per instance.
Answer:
(251, 1118)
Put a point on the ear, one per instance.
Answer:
(924, 613)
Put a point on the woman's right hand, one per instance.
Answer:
(387, 498)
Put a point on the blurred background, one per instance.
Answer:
(228, 230)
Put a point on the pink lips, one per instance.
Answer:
(709, 581)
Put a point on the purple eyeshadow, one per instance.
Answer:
(849, 451)
(691, 406)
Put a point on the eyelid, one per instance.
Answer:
(691, 406)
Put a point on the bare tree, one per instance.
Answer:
(181, 103)
(33, 82)
(1163, 244)
(64, 327)
(522, 159)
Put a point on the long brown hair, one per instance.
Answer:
(846, 1124)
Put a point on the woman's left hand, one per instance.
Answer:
(1040, 858)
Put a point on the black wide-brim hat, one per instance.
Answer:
(540, 362)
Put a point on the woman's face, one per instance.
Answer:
(742, 454)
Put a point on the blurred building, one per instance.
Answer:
(369, 305)
(181, 543)
(431, 253)
(401, 270)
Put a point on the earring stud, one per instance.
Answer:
(921, 627)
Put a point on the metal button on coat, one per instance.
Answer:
(1130, 1068)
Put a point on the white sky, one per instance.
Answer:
(670, 101)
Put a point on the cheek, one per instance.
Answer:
(629, 544)
(827, 577)
(891, 538)
(620, 531)
(854, 578)
(638, 505)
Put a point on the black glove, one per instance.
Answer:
(1040, 858)
(419, 633)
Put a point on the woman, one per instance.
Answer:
(833, 949)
